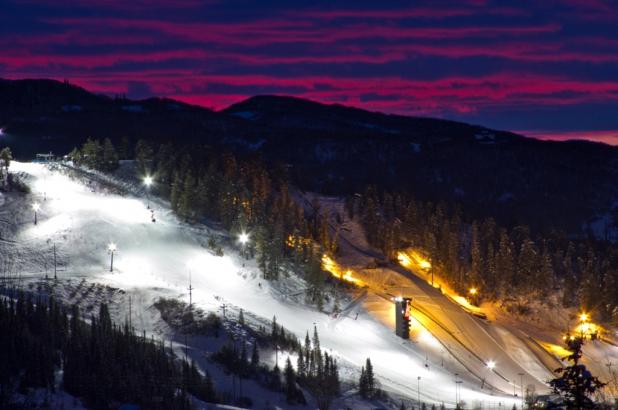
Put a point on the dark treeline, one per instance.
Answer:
(243, 195)
(103, 364)
(503, 262)
(315, 371)
(101, 156)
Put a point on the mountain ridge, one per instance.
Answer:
(338, 150)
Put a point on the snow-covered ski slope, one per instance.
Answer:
(157, 258)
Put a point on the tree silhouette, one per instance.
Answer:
(575, 384)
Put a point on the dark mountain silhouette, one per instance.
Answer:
(338, 150)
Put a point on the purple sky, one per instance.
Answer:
(544, 68)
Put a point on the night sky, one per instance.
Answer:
(543, 68)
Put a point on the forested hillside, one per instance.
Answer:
(340, 150)
(506, 262)
(101, 363)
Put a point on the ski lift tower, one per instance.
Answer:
(402, 317)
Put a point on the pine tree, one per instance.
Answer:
(186, 202)
(255, 356)
(144, 155)
(371, 384)
(6, 156)
(575, 384)
(290, 382)
(110, 157)
(243, 357)
(300, 365)
(366, 383)
(176, 192)
(526, 264)
(476, 256)
(275, 329)
(92, 154)
(362, 384)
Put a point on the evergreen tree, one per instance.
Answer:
(363, 390)
(176, 192)
(575, 384)
(6, 156)
(300, 364)
(92, 154)
(144, 154)
(186, 202)
(366, 383)
(290, 382)
(371, 384)
(255, 356)
(110, 157)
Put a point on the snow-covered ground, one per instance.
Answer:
(524, 353)
(156, 259)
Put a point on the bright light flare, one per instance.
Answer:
(473, 291)
(556, 350)
(428, 339)
(491, 364)
(587, 329)
(329, 265)
(148, 180)
(112, 247)
(424, 264)
(584, 317)
(412, 257)
(243, 238)
(462, 301)
(36, 207)
(404, 259)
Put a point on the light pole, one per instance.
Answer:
(111, 248)
(148, 180)
(456, 389)
(35, 208)
(243, 238)
(418, 390)
(521, 384)
(490, 365)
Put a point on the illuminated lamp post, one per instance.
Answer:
(148, 180)
(35, 208)
(491, 365)
(243, 238)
